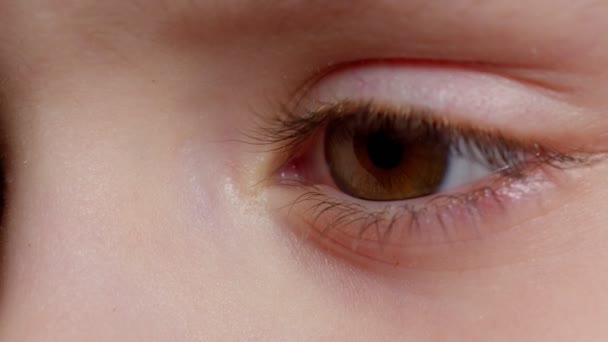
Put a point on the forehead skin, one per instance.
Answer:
(555, 32)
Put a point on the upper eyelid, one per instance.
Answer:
(292, 129)
(549, 82)
(276, 130)
(479, 97)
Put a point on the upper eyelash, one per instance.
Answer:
(289, 131)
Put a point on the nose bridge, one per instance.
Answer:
(100, 155)
(72, 170)
(107, 169)
(86, 147)
(92, 138)
(87, 164)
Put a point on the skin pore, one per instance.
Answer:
(135, 208)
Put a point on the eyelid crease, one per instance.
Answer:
(530, 75)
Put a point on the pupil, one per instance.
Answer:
(384, 152)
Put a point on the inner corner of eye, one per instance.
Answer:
(298, 169)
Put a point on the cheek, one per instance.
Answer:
(515, 285)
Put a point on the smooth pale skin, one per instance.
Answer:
(133, 214)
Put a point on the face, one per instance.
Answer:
(304, 170)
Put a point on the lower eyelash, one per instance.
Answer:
(384, 222)
(441, 219)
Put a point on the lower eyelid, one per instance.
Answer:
(394, 233)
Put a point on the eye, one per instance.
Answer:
(383, 178)
(380, 153)
(377, 156)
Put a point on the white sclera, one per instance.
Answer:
(463, 170)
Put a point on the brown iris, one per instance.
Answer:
(383, 158)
